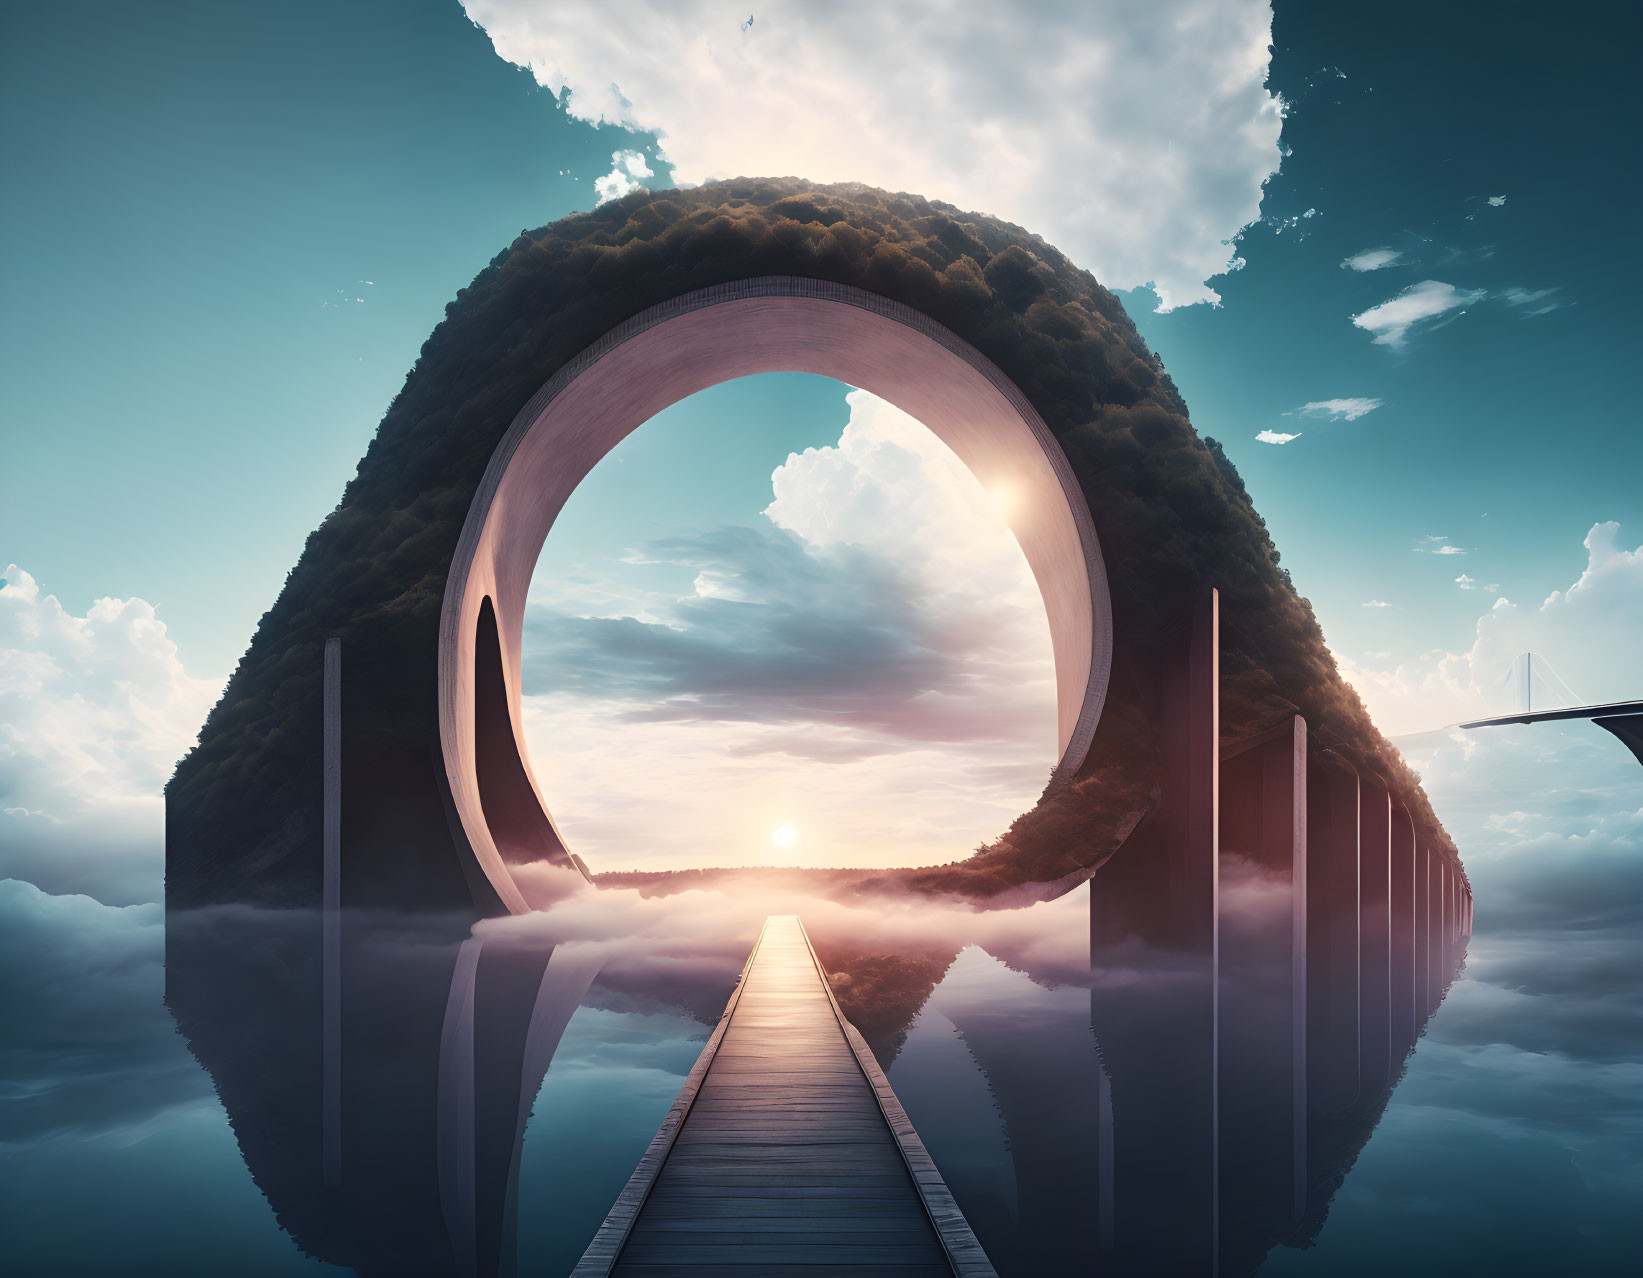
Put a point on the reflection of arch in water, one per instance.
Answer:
(413, 1169)
(658, 358)
(486, 1095)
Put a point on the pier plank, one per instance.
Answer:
(786, 1151)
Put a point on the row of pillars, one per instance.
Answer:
(1266, 949)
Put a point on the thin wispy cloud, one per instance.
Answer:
(1431, 545)
(1335, 410)
(1377, 259)
(1532, 302)
(1376, 603)
(1418, 307)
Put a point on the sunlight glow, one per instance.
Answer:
(784, 836)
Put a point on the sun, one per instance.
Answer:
(784, 835)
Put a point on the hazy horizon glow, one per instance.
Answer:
(855, 673)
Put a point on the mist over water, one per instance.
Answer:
(1511, 1140)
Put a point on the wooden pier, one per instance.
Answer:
(786, 1152)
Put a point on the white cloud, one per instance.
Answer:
(1335, 410)
(1496, 201)
(626, 168)
(1587, 635)
(1135, 138)
(1276, 437)
(1376, 603)
(1373, 259)
(870, 664)
(1417, 306)
(94, 711)
(1437, 546)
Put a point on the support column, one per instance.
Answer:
(1423, 935)
(1435, 948)
(1446, 926)
(1153, 1005)
(1401, 898)
(1374, 975)
(331, 921)
(1332, 937)
(1264, 927)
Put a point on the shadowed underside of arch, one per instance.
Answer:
(578, 332)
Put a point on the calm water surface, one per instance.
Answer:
(490, 1090)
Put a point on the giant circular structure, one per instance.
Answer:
(673, 350)
(578, 332)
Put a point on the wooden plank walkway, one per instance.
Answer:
(786, 1152)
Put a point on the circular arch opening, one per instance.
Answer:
(658, 358)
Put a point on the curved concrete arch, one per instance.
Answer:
(396, 776)
(671, 351)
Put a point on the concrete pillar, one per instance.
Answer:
(331, 919)
(1423, 934)
(1446, 924)
(1374, 975)
(1332, 821)
(1436, 974)
(1262, 981)
(1153, 1005)
(1401, 932)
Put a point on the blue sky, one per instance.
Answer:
(247, 223)
(189, 380)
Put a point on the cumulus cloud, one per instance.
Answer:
(1136, 138)
(626, 168)
(1437, 546)
(1588, 632)
(1418, 307)
(1275, 436)
(1496, 201)
(94, 711)
(1334, 410)
(877, 618)
(1373, 259)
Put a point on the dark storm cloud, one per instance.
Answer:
(780, 634)
(89, 1044)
